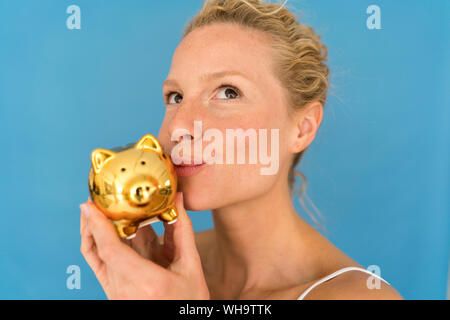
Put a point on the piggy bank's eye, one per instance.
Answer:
(142, 162)
(123, 169)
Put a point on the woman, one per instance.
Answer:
(240, 64)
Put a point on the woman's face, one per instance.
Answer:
(247, 97)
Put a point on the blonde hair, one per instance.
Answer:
(300, 56)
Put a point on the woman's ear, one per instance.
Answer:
(307, 122)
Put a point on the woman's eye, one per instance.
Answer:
(228, 92)
(177, 99)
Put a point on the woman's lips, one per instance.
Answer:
(184, 170)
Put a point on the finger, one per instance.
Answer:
(110, 249)
(102, 230)
(179, 235)
(89, 250)
(82, 222)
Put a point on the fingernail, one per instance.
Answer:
(85, 210)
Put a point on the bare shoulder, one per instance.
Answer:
(353, 285)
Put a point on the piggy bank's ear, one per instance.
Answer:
(148, 143)
(99, 157)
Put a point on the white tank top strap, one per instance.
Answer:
(334, 274)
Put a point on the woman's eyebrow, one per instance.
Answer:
(221, 74)
(211, 76)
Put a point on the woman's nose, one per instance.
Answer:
(181, 125)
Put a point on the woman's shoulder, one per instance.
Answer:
(339, 277)
(352, 284)
(349, 285)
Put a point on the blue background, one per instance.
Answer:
(378, 170)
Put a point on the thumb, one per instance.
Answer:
(179, 235)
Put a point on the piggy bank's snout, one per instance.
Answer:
(141, 192)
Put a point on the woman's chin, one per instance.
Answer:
(197, 202)
(196, 194)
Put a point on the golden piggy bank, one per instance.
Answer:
(134, 185)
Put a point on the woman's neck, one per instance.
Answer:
(258, 244)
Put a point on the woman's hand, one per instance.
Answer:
(142, 268)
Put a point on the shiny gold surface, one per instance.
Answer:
(134, 185)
